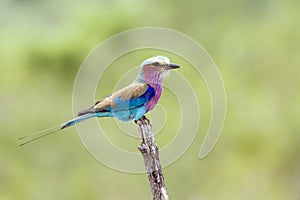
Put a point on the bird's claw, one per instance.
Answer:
(142, 120)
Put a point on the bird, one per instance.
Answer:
(129, 103)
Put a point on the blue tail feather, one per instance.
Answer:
(83, 118)
(77, 120)
(32, 137)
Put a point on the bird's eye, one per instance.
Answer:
(155, 64)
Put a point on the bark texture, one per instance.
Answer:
(150, 153)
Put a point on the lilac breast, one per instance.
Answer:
(152, 76)
(152, 103)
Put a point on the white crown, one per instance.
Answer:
(159, 59)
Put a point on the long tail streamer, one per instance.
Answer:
(32, 137)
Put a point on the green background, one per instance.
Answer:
(256, 47)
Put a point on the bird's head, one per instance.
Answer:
(156, 68)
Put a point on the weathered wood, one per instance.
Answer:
(150, 153)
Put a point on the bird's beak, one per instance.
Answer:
(173, 66)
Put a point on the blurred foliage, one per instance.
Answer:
(254, 43)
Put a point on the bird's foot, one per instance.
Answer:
(142, 120)
(145, 120)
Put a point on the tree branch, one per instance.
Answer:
(150, 153)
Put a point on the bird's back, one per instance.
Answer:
(125, 104)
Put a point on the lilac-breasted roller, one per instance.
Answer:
(129, 103)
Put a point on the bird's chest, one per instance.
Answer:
(153, 101)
